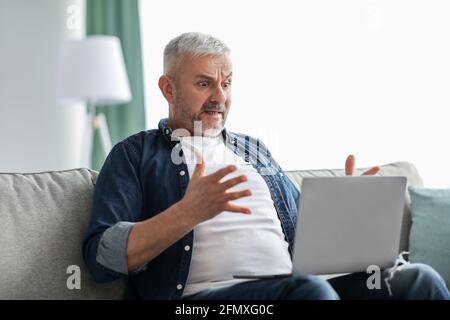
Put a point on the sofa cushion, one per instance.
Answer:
(43, 217)
(430, 231)
(394, 169)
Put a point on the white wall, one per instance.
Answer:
(36, 132)
(317, 80)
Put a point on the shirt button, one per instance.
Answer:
(179, 286)
(182, 173)
(187, 248)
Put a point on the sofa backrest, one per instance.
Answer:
(394, 169)
(43, 218)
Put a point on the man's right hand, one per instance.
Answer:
(207, 196)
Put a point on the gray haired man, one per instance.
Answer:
(185, 229)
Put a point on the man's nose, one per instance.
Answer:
(219, 95)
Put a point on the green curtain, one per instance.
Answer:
(119, 18)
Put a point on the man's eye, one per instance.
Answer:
(227, 84)
(203, 84)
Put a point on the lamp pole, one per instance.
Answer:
(94, 122)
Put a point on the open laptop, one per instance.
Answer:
(345, 224)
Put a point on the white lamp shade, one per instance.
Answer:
(93, 70)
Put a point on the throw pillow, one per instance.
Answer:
(430, 230)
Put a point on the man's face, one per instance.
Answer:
(202, 93)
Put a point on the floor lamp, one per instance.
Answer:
(92, 70)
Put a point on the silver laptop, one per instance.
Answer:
(346, 224)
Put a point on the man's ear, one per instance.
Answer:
(167, 88)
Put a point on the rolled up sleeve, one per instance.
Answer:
(112, 248)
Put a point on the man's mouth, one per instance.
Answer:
(213, 113)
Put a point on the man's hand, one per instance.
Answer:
(206, 196)
(350, 166)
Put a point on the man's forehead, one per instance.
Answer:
(209, 64)
(220, 61)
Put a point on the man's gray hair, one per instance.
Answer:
(193, 43)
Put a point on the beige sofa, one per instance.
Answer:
(42, 222)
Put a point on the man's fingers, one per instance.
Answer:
(219, 174)
(237, 195)
(349, 165)
(372, 171)
(200, 164)
(234, 208)
(232, 182)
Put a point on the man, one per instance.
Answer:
(185, 209)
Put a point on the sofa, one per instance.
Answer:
(43, 217)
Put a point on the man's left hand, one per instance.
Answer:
(350, 167)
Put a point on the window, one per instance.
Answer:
(317, 80)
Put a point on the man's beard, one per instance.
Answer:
(194, 123)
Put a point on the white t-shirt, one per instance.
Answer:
(234, 243)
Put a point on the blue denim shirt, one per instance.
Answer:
(138, 180)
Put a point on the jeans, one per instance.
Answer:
(412, 281)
